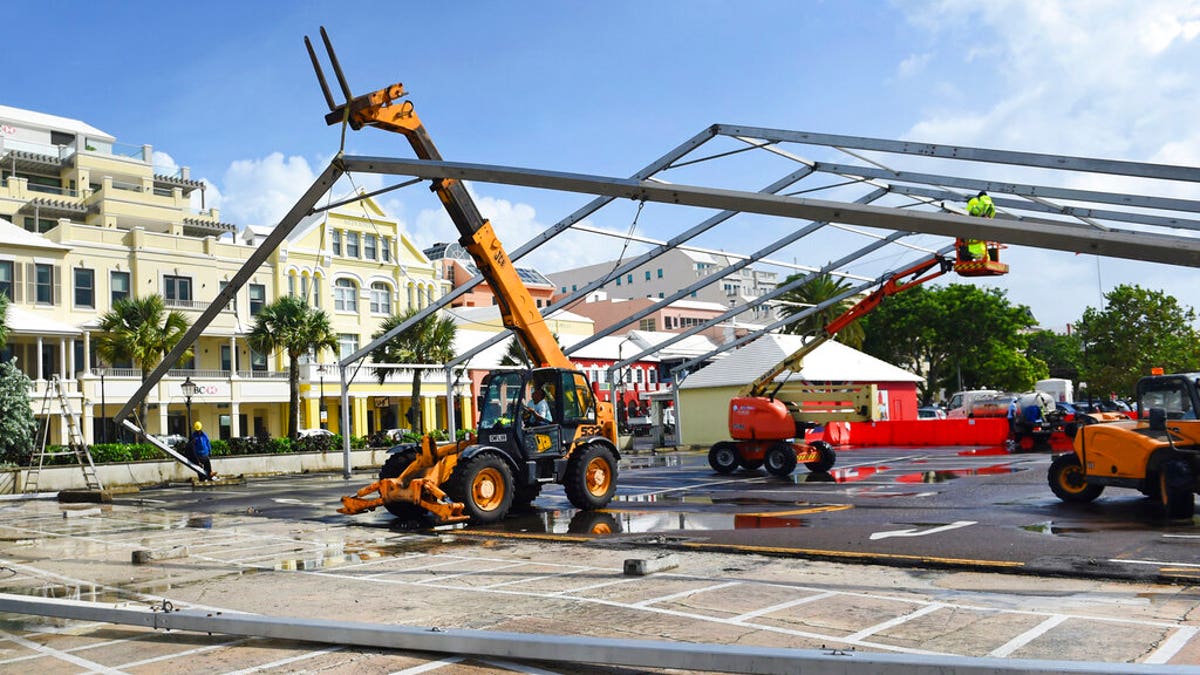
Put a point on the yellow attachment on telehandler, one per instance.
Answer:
(417, 484)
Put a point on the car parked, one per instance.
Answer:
(930, 412)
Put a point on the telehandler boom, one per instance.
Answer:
(515, 451)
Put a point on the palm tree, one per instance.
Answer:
(430, 340)
(514, 353)
(140, 331)
(819, 289)
(292, 326)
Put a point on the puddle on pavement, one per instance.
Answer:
(977, 452)
(601, 523)
(1049, 527)
(649, 461)
(200, 522)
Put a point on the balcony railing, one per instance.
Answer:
(263, 374)
(53, 190)
(193, 305)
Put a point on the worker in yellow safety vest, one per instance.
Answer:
(980, 206)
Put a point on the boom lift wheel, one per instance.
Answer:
(484, 485)
(723, 457)
(780, 459)
(1069, 482)
(827, 459)
(392, 468)
(591, 477)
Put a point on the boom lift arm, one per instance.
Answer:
(383, 109)
(914, 275)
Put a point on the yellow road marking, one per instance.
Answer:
(860, 555)
(800, 512)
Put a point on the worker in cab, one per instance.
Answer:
(980, 206)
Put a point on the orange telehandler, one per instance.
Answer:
(768, 432)
(515, 451)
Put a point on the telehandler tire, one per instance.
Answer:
(484, 485)
(827, 460)
(1069, 482)
(591, 478)
(780, 459)
(1175, 489)
(724, 457)
(392, 468)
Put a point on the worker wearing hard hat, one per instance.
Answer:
(201, 449)
(980, 206)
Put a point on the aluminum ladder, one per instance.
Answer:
(76, 446)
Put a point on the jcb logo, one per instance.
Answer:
(543, 442)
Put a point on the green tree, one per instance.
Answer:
(3, 320)
(429, 341)
(292, 326)
(1137, 330)
(17, 425)
(817, 290)
(140, 331)
(1062, 354)
(952, 334)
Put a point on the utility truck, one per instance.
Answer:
(516, 451)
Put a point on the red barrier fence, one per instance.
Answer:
(957, 431)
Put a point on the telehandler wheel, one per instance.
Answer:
(826, 461)
(723, 457)
(1069, 482)
(780, 459)
(484, 485)
(591, 477)
(392, 468)
(1175, 489)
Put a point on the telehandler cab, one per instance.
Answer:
(1158, 453)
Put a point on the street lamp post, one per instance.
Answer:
(103, 420)
(189, 390)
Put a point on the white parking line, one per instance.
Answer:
(683, 594)
(1171, 646)
(473, 572)
(284, 662)
(518, 668)
(868, 632)
(432, 665)
(60, 655)
(1158, 563)
(185, 653)
(1004, 650)
(782, 606)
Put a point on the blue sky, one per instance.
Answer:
(606, 87)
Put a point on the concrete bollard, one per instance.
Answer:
(143, 556)
(638, 567)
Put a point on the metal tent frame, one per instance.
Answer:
(867, 198)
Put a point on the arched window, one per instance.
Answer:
(381, 298)
(345, 295)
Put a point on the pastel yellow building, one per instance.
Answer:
(85, 221)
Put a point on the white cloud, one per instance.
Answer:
(1106, 78)
(261, 191)
(913, 65)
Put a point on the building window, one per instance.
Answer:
(226, 358)
(292, 285)
(345, 296)
(651, 375)
(316, 292)
(118, 285)
(618, 281)
(351, 244)
(385, 249)
(369, 246)
(335, 237)
(646, 324)
(43, 281)
(177, 291)
(232, 304)
(258, 298)
(258, 361)
(6, 278)
(347, 345)
(564, 289)
(39, 225)
(381, 298)
(647, 275)
(660, 273)
(85, 287)
(629, 278)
